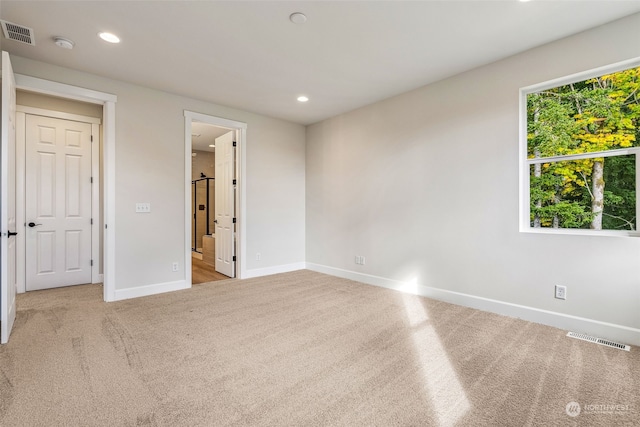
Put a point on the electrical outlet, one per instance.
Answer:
(174, 266)
(360, 260)
(561, 292)
(258, 256)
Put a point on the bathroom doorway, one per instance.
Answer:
(208, 255)
(202, 194)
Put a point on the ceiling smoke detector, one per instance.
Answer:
(18, 33)
(298, 18)
(63, 43)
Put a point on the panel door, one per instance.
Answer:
(225, 204)
(8, 285)
(58, 202)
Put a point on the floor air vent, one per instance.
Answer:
(18, 33)
(606, 343)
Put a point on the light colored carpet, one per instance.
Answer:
(299, 349)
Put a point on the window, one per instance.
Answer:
(580, 150)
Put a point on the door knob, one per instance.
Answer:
(33, 224)
(12, 233)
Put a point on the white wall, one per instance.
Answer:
(425, 186)
(150, 168)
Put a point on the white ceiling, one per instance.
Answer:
(203, 135)
(249, 55)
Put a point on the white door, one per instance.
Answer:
(8, 200)
(57, 202)
(225, 204)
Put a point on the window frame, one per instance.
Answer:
(525, 163)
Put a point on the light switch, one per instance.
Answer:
(143, 207)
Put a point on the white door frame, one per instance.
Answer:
(108, 102)
(241, 132)
(21, 146)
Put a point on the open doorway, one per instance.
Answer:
(203, 196)
(213, 204)
(10, 278)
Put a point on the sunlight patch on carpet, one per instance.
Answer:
(443, 387)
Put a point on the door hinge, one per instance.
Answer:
(234, 220)
(91, 263)
(234, 143)
(91, 221)
(91, 138)
(234, 182)
(234, 258)
(92, 180)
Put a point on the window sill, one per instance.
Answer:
(579, 232)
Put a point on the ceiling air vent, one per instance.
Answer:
(18, 33)
(596, 340)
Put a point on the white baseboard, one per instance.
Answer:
(286, 268)
(143, 291)
(620, 333)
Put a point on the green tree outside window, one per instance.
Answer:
(597, 115)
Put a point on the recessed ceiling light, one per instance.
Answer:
(298, 18)
(303, 98)
(63, 43)
(108, 37)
